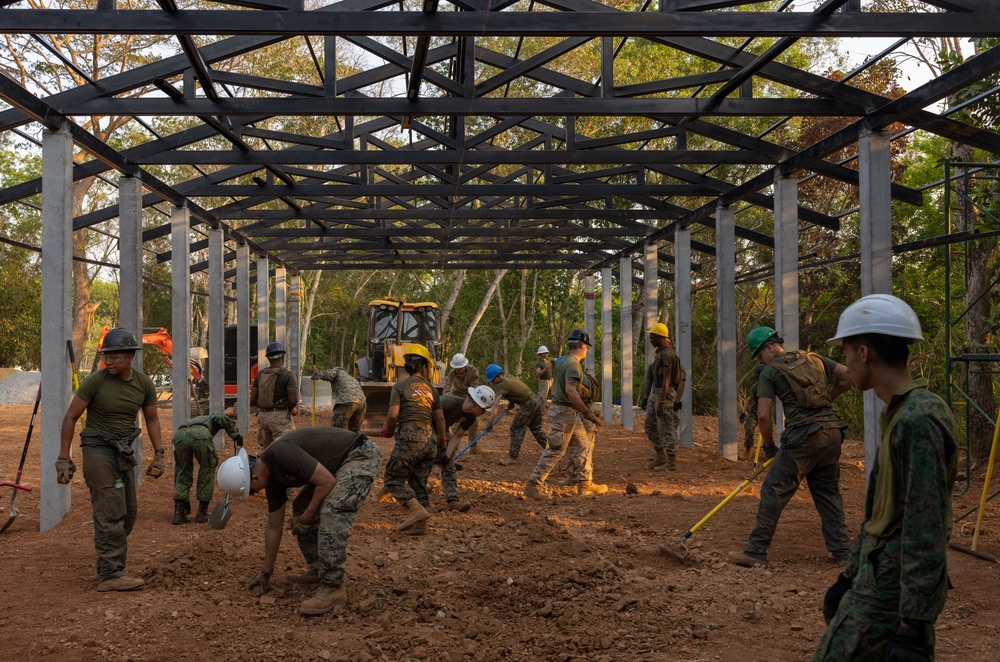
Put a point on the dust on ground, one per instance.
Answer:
(580, 579)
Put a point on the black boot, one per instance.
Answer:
(181, 509)
(202, 515)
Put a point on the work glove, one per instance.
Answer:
(385, 432)
(238, 440)
(300, 527)
(594, 418)
(65, 468)
(678, 405)
(909, 645)
(261, 583)
(769, 451)
(642, 403)
(156, 467)
(442, 455)
(833, 596)
(743, 417)
(510, 405)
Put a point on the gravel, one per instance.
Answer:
(20, 388)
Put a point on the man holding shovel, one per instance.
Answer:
(193, 441)
(111, 398)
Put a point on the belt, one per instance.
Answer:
(282, 408)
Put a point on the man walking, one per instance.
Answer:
(193, 441)
(543, 371)
(885, 603)
(275, 396)
(810, 444)
(349, 403)
(659, 424)
(335, 469)
(566, 416)
(529, 410)
(111, 398)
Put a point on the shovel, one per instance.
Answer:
(221, 513)
(481, 434)
(24, 454)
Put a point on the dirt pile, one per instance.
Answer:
(20, 388)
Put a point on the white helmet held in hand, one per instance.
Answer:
(878, 313)
(483, 396)
(542, 349)
(233, 477)
(459, 361)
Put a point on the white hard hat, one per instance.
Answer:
(542, 349)
(483, 396)
(878, 313)
(459, 361)
(234, 475)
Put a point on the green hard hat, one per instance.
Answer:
(757, 337)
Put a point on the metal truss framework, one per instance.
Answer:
(443, 150)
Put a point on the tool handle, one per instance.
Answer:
(16, 486)
(473, 442)
(27, 439)
(729, 497)
(72, 355)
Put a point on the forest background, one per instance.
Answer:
(503, 316)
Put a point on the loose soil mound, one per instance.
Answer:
(20, 388)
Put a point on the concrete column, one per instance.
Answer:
(607, 352)
(725, 314)
(180, 314)
(874, 171)
(57, 321)
(280, 308)
(243, 349)
(130, 279)
(786, 273)
(295, 327)
(682, 322)
(589, 301)
(625, 296)
(650, 305)
(216, 327)
(263, 311)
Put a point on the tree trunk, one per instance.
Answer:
(482, 309)
(449, 305)
(311, 282)
(527, 317)
(83, 309)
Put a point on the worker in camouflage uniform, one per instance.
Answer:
(335, 469)
(566, 416)
(529, 410)
(275, 396)
(885, 603)
(581, 465)
(664, 376)
(349, 403)
(810, 443)
(543, 371)
(457, 382)
(112, 397)
(192, 441)
(459, 416)
(415, 405)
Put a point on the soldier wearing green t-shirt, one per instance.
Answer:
(566, 416)
(543, 370)
(460, 414)
(112, 397)
(275, 395)
(810, 443)
(529, 410)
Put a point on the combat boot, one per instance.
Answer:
(202, 515)
(746, 559)
(417, 514)
(123, 583)
(460, 506)
(585, 487)
(507, 460)
(533, 491)
(658, 461)
(311, 576)
(569, 481)
(181, 509)
(326, 598)
(418, 529)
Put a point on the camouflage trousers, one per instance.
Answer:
(868, 614)
(449, 480)
(112, 497)
(528, 417)
(271, 425)
(325, 546)
(582, 464)
(661, 430)
(543, 389)
(410, 463)
(190, 444)
(817, 459)
(567, 435)
(349, 416)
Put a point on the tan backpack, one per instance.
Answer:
(806, 375)
(266, 383)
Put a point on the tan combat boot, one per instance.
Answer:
(460, 506)
(669, 465)
(418, 529)
(311, 576)
(585, 487)
(123, 583)
(658, 461)
(568, 481)
(326, 598)
(533, 491)
(507, 460)
(417, 514)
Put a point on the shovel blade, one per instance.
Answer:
(220, 515)
(10, 520)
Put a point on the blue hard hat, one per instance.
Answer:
(492, 372)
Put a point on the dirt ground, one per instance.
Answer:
(580, 579)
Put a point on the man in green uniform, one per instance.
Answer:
(275, 396)
(810, 444)
(193, 441)
(543, 371)
(335, 469)
(529, 410)
(566, 416)
(582, 464)
(462, 377)
(459, 416)
(111, 398)
(885, 603)
(415, 404)
(659, 424)
(349, 402)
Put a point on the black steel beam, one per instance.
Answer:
(423, 190)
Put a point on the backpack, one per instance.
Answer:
(267, 380)
(588, 388)
(806, 375)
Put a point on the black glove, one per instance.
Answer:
(442, 455)
(678, 405)
(833, 597)
(743, 416)
(909, 645)
(238, 440)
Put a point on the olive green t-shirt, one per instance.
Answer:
(567, 368)
(417, 400)
(112, 404)
(292, 459)
(546, 367)
(457, 384)
(773, 384)
(513, 389)
(451, 406)
(666, 367)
